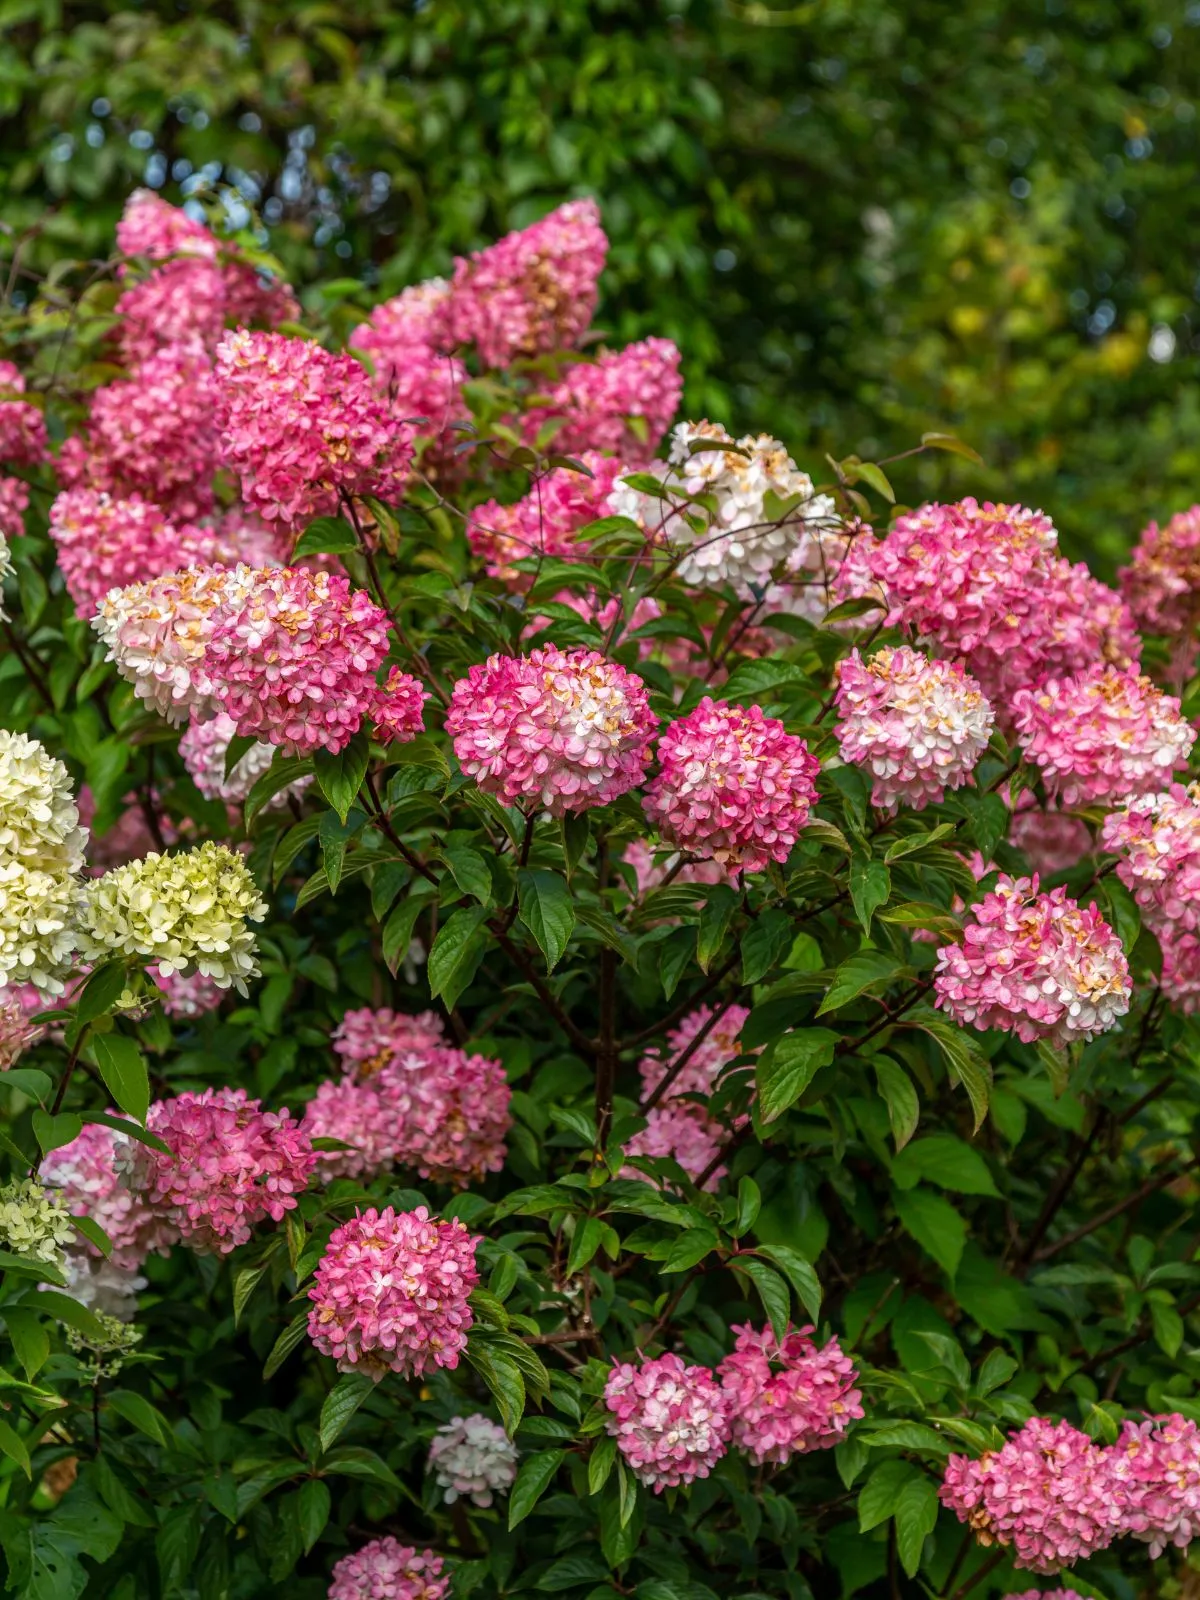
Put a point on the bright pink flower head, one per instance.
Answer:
(179, 303)
(1162, 582)
(448, 1111)
(789, 1397)
(385, 1569)
(670, 1421)
(300, 426)
(1037, 965)
(150, 226)
(1101, 735)
(1157, 837)
(917, 725)
(1180, 980)
(708, 1061)
(19, 1004)
(87, 1172)
(622, 402)
(14, 499)
(366, 1039)
(186, 997)
(22, 426)
(1047, 1494)
(1156, 1465)
(152, 434)
(397, 709)
(406, 342)
(532, 291)
(294, 662)
(352, 1111)
(683, 1132)
(391, 1293)
(1053, 840)
(546, 521)
(565, 730)
(231, 1165)
(733, 785)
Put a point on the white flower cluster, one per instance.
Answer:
(472, 1456)
(715, 511)
(202, 749)
(185, 913)
(34, 1223)
(41, 853)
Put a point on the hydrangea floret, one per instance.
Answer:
(671, 1421)
(385, 1569)
(788, 1396)
(472, 1458)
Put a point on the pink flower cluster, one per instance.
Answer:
(700, 1073)
(650, 869)
(680, 1131)
(398, 709)
(1101, 735)
(1156, 1464)
(917, 726)
(391, 1293)
(733, 786)
(302, 427)
(671, 1421)
(367, 1039)
(1157, 837)
(565, 730)
(1052, 839)
(186, 997)
(1037, 965)
(19, 1004)
(986, 583)
(152, 434)
(1047, 1494)
(22, 426)
(385, 1569)
(87, 1173)
(354, 1113)
(1180, 981)
(532, 291)
(14, 498)
(231, 1164)
(546, 521)
(623, 402)
(1161, 584)
(788, 1397)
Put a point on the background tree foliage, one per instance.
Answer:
(859, 218)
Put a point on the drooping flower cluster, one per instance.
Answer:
(565, 730)
(789, 1396)
(671, 1421)
(391, 1293)
(385, 1569)
(186, 913)
(546, 521)
(1047, 1494)
(733, 786)
(1157, 1466)
(1037, 965)
(19, 1004)
(86, 1176)
(22, 425)
(1157, 838)
(34, 1223)
(398, 709)
(367, 1039)
(472, 1457)
(1101, 735)
(301, 427)
(622, 403)
(918, 726)
(231, 1165)
(723, 483)
(987, 585)
(1161, 584)
(532, 291)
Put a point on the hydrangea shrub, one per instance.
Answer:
(586, 1008)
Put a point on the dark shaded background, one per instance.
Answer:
(861, 219)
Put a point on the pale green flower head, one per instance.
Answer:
(34, 1223)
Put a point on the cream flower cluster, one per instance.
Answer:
(41, 852)
(33, 1223)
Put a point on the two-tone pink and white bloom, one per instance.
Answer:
(671, 1421)
(385, 1569)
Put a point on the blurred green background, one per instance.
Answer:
(861, 219)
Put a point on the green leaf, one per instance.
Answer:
(457, 952)
(398, 929)
(135, 1409)
(340, 1404)
(690, 1248)
(787, 1067)
(950, 1163)
(340, 776)
(244, 1280)
(912, 842)
(1057, 1065)
(52, 1133)
(880, 1495)
(772, 1291)
(903, 1107)
(601, 1462)
(934, 1224)
(546, 910)
(287, 1341)
(861, 972)
(470, 872)
(503, 1377)
(749, 1204)
(102, 991)
(765, 942)
(947, 441)
(335, 836)
(313, 1507)
(325, 536)
(29, 1080)
(131, 1130)
(998, 1367)
(535, 1477)
(870, 888)
(916, 1512)
(575, 831)
(1167, 1325)
(751, 679)
(236, 749)
(30, 1341)
(589, 1236)
(964, 1060)
(14, 1447)
(123, 1068)
(800, 1274)
(281, 774)
(719, 906)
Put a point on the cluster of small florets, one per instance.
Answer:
(546, 521)
(448, 1111)
(385, 1569)
(1051, 838)
(678, 1130)
(398, 709)
(202, 748)
(532, 291)
(37, 926)
(789, 1396)
(622, 402)
(302, 427)
(391, 1293)
(1156, 1464)
(22, 425)
(1047, 1494)
(1101, 735)
(105, 1347)
(231, 1164)
(34, 1223)
(86, 1175)
(733, 786)
(565, 730)
(472, 1458)
(918, 726)
(986, 583)
(39, 820)
(1157, 838)
(186, 913)
(19, 1004)
(353, 1113)
(706, 1061)
(671, 1421)
(367, 1038)
(1037, 965)
(293, 658)
(713, 513)
(1161, 584)
(14, 500)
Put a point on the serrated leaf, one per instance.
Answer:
(325, 536)
(14, 1447)
(601, 1462)
(123, 1068)
(860, 973)
(948, 1162)
(398, 930)
(964, 1060)
(903, 1106)
(504, 1379)
(340, 776)
(313, 1505)
(787, 1067)
(140, 1413)
(456, 953)
(102, 991)
(244, 1280)
(546, 910)
(765, 941)
(934, 1224)
(534, 1478)
(879, 1496)
(916, 1512)
(281, 774)
(340, 1404)
(470, 872)
(30, 1341)
(131, 1130)
(870, 888)
(772, 1291)
(800, 1274)
(287, 1341)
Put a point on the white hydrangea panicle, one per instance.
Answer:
(39, 820)
(38, 916)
